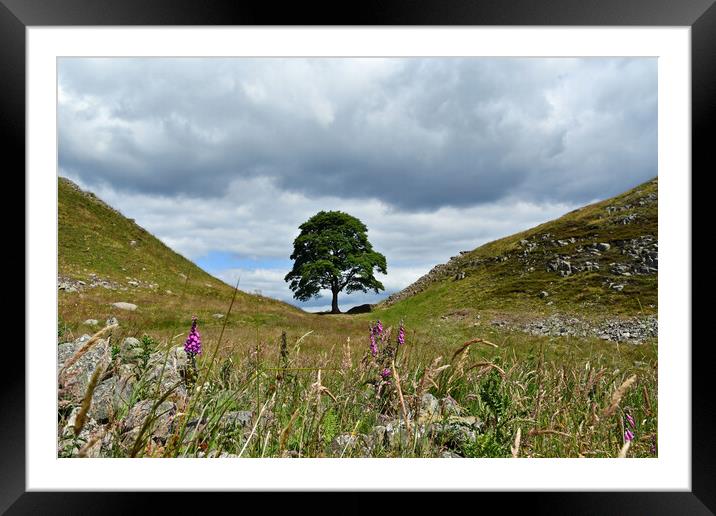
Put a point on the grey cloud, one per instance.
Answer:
(416, 134)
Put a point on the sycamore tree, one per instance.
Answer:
(332, 252)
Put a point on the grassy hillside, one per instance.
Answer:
(560, 266)
(104, 257)
(97, 239)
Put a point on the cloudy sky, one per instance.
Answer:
(223, 159)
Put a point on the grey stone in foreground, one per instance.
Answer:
(109, 396)
(237, 419)
(130, 350)
(158, 428)
(75, 379)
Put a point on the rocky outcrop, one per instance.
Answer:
(578, 249)
(131, 378)
(633, 330)
(92, 280)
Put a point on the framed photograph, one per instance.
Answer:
(415, 250)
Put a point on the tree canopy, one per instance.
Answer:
(333, 252)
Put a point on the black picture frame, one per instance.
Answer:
(700, 15)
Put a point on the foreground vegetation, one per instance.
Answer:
(435, 395)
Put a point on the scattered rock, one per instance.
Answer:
(634, 330)
(456, 431)
(109, 397)
(429, 406)
(237, 419)
(344, 443)
(361, 309)
(171, 369)
(130, 351)
(543, 294)
(560, 265)
(218, 316)
(121, 305)
(91, 322)
(160, 427)
(449, 407)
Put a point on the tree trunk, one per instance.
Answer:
(334, 305)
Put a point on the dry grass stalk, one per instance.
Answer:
(297, 346)
(534, 432)
(515, 448)
(488, 365)
(593, 379)
(87, 400)
(321, 389)
(402, 400)
(618, 395)
(647, 401)
(467, 344)
(459, 370)
(287, 430)
(624, 450)
(347, 363)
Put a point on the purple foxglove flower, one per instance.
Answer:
(192, 346)
(630, 419)
(385, 373)
(378, 329)
(373, 345)
(401, 335)
(628, 435)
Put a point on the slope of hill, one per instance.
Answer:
(104, 257)
(599, 260)
(98, 244)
